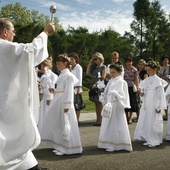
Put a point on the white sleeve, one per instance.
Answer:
(68, 93)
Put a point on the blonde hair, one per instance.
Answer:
(142, 61)
(99, 56)
(116, 54)
(47, 63)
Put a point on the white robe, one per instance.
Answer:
(48, 80)
(19, 102)
(154, 98)
(52, 131)
(167, 94)
(114, 132)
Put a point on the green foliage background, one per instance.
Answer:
(149, 36)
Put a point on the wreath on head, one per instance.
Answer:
(153, 64)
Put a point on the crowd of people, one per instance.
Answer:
(125, 90)
(53, 120)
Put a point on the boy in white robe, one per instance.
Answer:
(19, 101)
(114, 132)
(154, 102)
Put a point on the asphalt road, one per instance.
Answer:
(92, 158)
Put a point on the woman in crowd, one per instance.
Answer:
(61, 130)
(142, 70)
(142, 75)
(115, 60)
(114, 132)
(163, 73)
(154, 102)
(167, 95)
(77, 70)
(97, 69)
(47, 80)
(131, 77)
(165, 69)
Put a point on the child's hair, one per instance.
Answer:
(47, 63)
(63, 58)
(117, 67)
(153, 64)
(75, 56)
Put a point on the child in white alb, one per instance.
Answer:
(114, 132)
(149, 127)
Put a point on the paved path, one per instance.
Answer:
(92, 158)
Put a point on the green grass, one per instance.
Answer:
(89, 105)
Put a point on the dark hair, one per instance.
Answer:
(75, 56)
(165, 57)
(128, 59)
(63, 58)
(117, 67)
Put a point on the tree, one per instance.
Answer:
(28, 24)
(141, 11)
(152, 27)
(155, 23)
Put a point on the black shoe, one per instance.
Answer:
(97, 124)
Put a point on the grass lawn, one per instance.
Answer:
(89, 105)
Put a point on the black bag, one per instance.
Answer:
(94, 94)
(78, 102)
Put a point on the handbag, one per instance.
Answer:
(78, 102)
(94, 94)
(107, 110)
(134, 88)
(158, 124)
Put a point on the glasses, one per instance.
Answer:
(95, 59)
(13, 31)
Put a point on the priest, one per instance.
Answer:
(19, 96)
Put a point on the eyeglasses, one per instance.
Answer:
(95, 59)
(13, 31)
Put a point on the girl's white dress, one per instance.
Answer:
(167, 94)
(52, 133)
(154, 98)
(114, 132)
(47, 80)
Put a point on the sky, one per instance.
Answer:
(95, 15)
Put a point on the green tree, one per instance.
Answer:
(157, 29)
(28, 24)
(151, 28)
(141, 11)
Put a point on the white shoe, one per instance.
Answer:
(109, 150)
(152, 146)
(59, 153)
(146, 144)
(55, 151)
